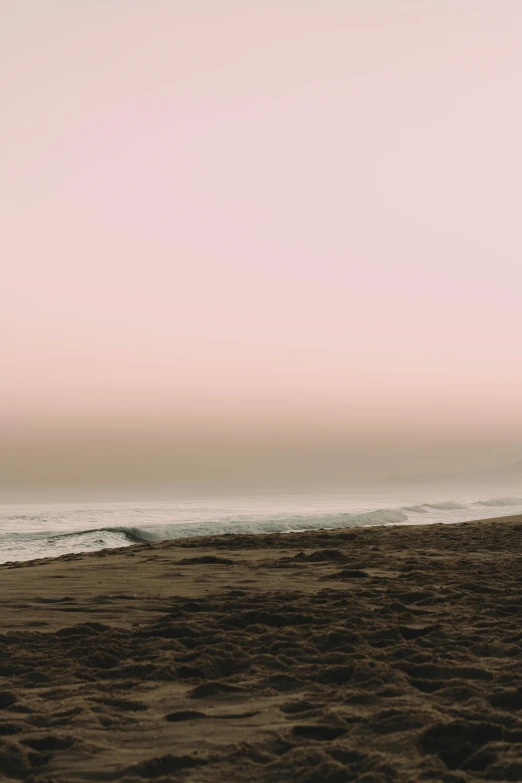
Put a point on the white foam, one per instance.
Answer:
(447, 505)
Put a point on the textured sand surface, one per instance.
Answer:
(371, 655)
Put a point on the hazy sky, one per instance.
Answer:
(250, 213)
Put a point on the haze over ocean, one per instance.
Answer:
(265, 246)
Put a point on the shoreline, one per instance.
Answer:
(373, 654)
(52, 531)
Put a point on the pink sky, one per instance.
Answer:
(271, 209)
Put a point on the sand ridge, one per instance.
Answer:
(369, 655)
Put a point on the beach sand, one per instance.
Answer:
(369, 655)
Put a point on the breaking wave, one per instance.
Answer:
(287, 524)
(32, 543)
(294, 523)
(499, 502)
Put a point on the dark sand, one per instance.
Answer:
(369, 655)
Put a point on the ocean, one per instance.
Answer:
(31, 531)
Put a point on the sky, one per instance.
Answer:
(280, 218)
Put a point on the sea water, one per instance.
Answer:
(31, 531)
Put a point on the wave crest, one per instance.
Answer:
(499, 502)
(289, 524)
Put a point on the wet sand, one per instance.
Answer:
(369, 655)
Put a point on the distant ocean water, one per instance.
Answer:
(30, 531)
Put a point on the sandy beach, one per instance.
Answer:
(369, 655)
